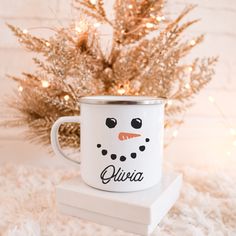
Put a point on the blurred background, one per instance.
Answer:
(208, 136)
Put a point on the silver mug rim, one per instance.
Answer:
(122, 100)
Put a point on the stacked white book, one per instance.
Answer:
(137, 212)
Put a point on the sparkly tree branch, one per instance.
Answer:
(145, 59)
(93, 8)
(135, 19)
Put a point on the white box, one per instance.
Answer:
(137, 212)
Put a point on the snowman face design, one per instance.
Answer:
(136, 124)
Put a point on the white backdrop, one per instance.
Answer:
(203, 139)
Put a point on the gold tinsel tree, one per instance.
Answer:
(144, 59)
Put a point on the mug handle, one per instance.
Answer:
(54, 135)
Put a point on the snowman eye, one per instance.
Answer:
(136, 123)
(111, 122)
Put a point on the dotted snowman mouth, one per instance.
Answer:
(122, 158)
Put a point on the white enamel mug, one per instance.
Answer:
(121, 141)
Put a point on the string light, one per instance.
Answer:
(149, 25)
(152, 15)
(169, 102)
(192, 42)
(97, 24)
(228, 153)
(20, 88)
(211, 99)
(47, 44)
(130, 6)
(66, 97)
(94, 2)
(25, 31)
(121, 91)
(159, 18)
(234, 143)
(81, 26)
(45, 84)
(78, 29)
(232, 131)
(175, 133)
(187, 86)
(189, 68)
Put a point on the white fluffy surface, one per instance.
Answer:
(207, 205)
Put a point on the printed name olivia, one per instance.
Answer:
(110, 173)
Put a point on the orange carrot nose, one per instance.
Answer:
(124, 136)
